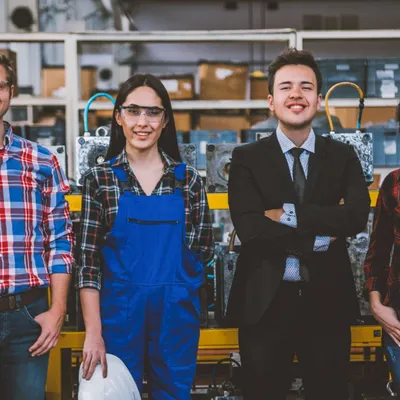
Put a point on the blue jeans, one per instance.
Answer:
(392, 352)
(22, 376)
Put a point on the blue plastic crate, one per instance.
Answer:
(335, 71)
(386, 145)
(384, 78)
(180, 136)
(202, 137)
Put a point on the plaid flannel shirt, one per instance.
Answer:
(100, 194)
(382, 263)
(36, 235)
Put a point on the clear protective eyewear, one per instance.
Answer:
(133, 113)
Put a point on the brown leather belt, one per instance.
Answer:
(18, 300)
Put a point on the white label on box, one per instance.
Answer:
(187, 86)
(203, 147)
(389, 147)
(342, 67)
(392, 66)
(388, 89)
(223, 73)
(385, 74)
(171, 85)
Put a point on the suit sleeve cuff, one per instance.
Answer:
(289, 216)
(322, 243)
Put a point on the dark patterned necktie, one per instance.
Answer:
(299, 179)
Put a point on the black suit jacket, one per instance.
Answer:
(260, 180)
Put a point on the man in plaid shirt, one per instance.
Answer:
(35, 253)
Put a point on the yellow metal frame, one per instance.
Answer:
(216, 201)
(214, 344)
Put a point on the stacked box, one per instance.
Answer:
(384, 78)
(222, 80)
(259, 88)
(53, 79)
(335, 71)
(179, 87)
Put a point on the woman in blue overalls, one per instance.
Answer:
(146, 231)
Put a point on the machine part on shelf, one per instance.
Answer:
(59, 152)
(92, 150)
(362, 142)
(188, 152)
(218, 163)
(363, 146)
(357, 249)
(219, 158)
(227, 389)
(224, 271)
(390, 390)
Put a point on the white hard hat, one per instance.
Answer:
(119, 384)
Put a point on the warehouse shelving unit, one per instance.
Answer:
(72, 41)
(368, 34)
(214, 343)
(73, 104)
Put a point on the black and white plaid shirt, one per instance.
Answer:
(100, 194)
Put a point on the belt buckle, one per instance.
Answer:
(12, 303)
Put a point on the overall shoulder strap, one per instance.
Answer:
(180, 172)
(121, 175)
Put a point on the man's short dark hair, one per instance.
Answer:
(293, 56)
(9, 67)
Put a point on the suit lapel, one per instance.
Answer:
(277, 164)
(316, 164)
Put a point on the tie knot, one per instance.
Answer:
(296, 152)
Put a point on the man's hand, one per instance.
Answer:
(51, 323)
(274, 214)
(94, 352)
(387, 317)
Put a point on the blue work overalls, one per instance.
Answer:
(150, 296)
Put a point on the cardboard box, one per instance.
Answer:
(183, 121)
(223, 121)
(222, 81)
(179, 87)
(259, 88)
(53, 79)
(12, 56)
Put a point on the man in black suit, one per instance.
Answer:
(294, 197)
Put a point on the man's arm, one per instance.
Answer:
(58, 241)
(376, 264)
(340, 220)
(247, 213)
(52, 321)
(287, 216)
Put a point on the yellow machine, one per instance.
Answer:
(214, 344)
